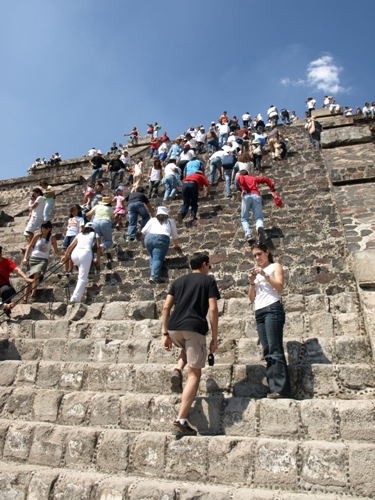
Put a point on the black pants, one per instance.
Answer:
(6, 292)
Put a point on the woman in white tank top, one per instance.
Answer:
(266, 282)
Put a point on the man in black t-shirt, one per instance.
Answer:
(114, 167)
(136, 206)
(97, 163)
(192, 296)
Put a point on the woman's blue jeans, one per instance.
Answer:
(47, 209)
(103, 229)
(270, 323)
(251, 202)
(134, 209)
(157, 246)
(170, 182)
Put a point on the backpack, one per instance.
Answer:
(228, 162)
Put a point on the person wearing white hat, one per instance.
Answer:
(158, 233)
(80, 252)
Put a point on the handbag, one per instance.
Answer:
(277, 199)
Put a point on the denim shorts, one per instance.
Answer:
(67, 241)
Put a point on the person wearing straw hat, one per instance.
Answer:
(102, 224)
(158, 233)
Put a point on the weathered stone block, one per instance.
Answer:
(94, 311)
(79, 350)
(229, 459)
(80, 330)
(226, 354)
(147, 329)
(321, 325)
(317, 303)
(18, 441)
(27, 373)
(48, 374)
(72, 376)
(239, 308)
(8, 372)
(215, 379)
(13, 485)
(40, 485)
(324, 465)
(149, 378)
(319, 419)
(54, 349)
(47, 446)
(357, 420)
(106, 351)
(211, 492)
(100, 329)
(75, 312)
(142, 310)
(186, 459)
(135, 411)
(148, 454)
(153, 490)
(96, 377)
(120, 377)
(105, 410)
(345, 136)
(356, 377)
(46, 405)
(275, 463)
(347, 324)
(231, 328)
(362, 468)
(240, 417)
(27, 349)
(251, 329)
(74, 487)
(317, 351)
(294, 302)
(345, 302)
(205, 414)
(23, 329)
(133, 351)
(74, 408)
(164, 410)
(45, 329)
(294, 326)
(352, 350)
(121, 330)
(250, 381)
(249, 352)
(278, 420)
(4, 396)
(157, 354)
(3, 432)
(80, 447)
(115, 311)
(113, 451)
(20, 403)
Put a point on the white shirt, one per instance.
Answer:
(200, 137)
(74, 224)
(138, 169)
(163, 149)
(153, 226)
(246, 117)
(223, 129)
(85, 241)
(155, 174)
(265, 295)
(170, 169)
(311, 104)
(189, 155)
(272, 112)
(91, 152)
(38, 211)
(218, 154)
(366, 110)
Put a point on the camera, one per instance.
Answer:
(211, 360)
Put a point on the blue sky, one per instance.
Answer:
(80, 73)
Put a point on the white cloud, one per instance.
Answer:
(321, 74)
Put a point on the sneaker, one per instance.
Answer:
(183, 430)
(179, 217)
(176, 380)
(248, 237)
(262, 235)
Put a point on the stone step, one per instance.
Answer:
(130, 348)
(307, 380)
(220, 414)
(314, 466)
(42, 483)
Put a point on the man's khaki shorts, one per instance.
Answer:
(194, 345)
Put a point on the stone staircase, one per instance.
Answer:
(85, 398)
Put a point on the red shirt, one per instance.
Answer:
(198, 178)
(6, 267)
(250, 184)
(154, 144)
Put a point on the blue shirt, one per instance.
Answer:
(193, 166)
(175, 151)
